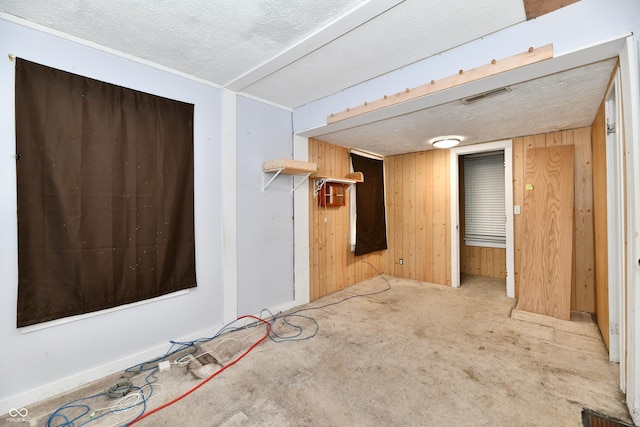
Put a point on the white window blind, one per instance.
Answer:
(484, 200)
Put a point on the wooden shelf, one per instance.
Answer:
(350, 179)
(287, 167)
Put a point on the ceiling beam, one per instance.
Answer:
(340, 26)
(535, 8)
(495, 67)
(562, 62)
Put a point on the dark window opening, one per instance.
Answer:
(371, 228)
(105, 194)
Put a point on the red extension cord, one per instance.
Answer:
(203, 382)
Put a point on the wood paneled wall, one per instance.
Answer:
(598, 136)
(582, 286)
(481, 261)
(418, 219)
(418, 216)
(333, 266)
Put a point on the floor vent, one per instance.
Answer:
(594, 419)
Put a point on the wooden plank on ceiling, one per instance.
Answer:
(535, 8)
(531, 56)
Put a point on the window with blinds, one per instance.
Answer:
(484, 200)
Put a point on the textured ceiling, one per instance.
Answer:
(332, 44)
(406, 33)
(216, 40)
(292, 52)
(560, 101)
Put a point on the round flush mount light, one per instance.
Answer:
(445, 141)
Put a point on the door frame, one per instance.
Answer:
(455, 153)
(615, 226)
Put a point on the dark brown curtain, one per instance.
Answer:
(105, 194)
(371, 228)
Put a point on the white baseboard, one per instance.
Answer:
(31, 397)
(46, 391)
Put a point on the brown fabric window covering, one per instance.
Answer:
(105, 194)
(371, 228)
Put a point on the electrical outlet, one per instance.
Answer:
(516, 209)
(401, 261)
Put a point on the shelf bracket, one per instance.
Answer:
(287, 167)
(275, 175)
(306, 176)
(318, 184)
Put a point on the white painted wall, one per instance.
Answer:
(229, 208)
(38, 364)
(265, 219)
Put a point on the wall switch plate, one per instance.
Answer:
(401, 261)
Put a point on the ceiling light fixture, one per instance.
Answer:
(445, 142)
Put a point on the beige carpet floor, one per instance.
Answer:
(417, 354)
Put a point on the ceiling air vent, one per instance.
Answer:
(481, 96)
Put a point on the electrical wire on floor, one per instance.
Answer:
(299, 335)
(203, 382)
(139, 399)
(185, 360)
(78, 412)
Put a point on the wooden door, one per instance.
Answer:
(547, 241)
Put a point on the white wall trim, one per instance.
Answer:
(229, 217)
(615, 227)
(23, 400)
(368, 154)
(630, 76)
(332, 30)
(96, 46)
(506, 146)
(111, 51)
(301, 229)
(264, 101)
(84, 316)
